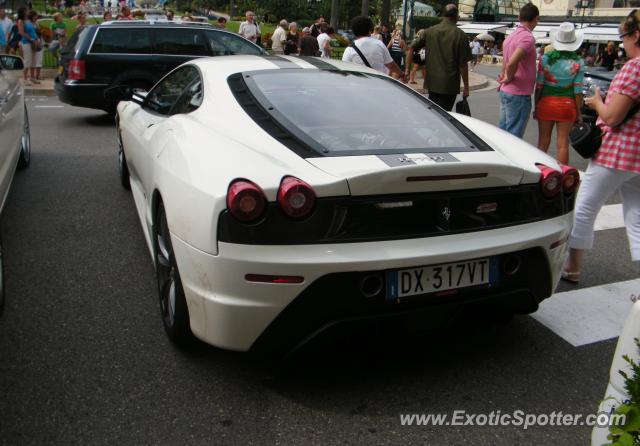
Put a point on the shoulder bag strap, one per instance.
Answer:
(364, 59)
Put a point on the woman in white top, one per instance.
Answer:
(324, 42)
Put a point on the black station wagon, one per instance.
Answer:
(135, 54)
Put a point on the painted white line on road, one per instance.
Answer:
(49, 106)
(610, 217)
(588, 315)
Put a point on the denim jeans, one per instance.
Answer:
(514, 113)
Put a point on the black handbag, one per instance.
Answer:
(586, 139)
(462, 107)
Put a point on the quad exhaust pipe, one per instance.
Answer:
(371, 285)
(511, 265)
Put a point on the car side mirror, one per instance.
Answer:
(8, 62)
(119, 93)
(139, 97)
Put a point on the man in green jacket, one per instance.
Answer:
(448, 53)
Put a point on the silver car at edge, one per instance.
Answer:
(15, 142)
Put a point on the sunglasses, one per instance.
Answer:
(633, 16)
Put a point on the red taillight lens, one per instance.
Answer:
(245, 200)
(263, 278)
(296, 198)
(76, 70)
(550, 181)
(570, 179)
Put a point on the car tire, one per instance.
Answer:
(123, 168)
(173, 304)
(25, 143)
(1, 280)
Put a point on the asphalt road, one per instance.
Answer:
(84, 359)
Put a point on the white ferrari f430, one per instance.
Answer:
(281, 197)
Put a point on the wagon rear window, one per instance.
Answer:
(355, 113)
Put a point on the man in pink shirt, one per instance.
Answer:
(518, 77)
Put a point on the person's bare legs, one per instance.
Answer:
(562, 143)
(544, 134)
(573, 265)
(412, 73)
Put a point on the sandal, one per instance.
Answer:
(570, 277)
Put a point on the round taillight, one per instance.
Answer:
(245, 200)
(550, 181)
(295, 197)
(570, 179)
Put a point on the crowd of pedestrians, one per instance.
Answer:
(544, 84)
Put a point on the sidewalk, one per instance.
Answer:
(45, 88)
(477, 81)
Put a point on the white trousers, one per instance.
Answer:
(598, 185)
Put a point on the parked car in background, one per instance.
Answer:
(271, 221)
(347, 34)
(15, 140)
(596, 78)
(136, 54)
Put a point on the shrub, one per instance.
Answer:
(339, 40)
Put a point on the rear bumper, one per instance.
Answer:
(81, 95)
(228, 311)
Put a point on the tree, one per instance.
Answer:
(335, 5)
(365, 8)
(385, 12)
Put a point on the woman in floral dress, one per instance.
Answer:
(559, 90)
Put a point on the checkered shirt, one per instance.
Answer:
(620, 147)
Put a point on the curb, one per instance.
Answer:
(28, 91)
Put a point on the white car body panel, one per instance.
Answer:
(191, 159)
(221, 300)
(616, 394)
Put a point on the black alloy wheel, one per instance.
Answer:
(173, 305)
(1, 280)
(123, 168)
(25, 143)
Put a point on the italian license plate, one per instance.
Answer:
(435, 278)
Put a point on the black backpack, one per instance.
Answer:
(14, 37)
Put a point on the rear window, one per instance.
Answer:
(180, 42)
(227, 44)
(375, 115)
(122, 40)
(73, 44)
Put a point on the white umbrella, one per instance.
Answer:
(485, 36)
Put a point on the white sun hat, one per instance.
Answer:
(566, 37)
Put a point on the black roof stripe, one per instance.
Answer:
(319, 63)
(281, 62)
